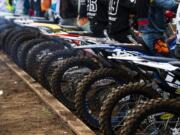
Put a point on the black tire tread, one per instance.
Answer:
(4, 36)
(47, 62)
(116, 95)
(58, 74)
(87, 81)
(18, 42)
(13, 39)
(148, 108)
(23, 51)
(30, 61)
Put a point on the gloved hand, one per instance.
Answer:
(161, 47)
(169, 15)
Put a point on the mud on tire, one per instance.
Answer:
(31, 61)
(114, 98)
(57, 77)
(24, 49)
(18, 42)
(142, 111)
(46, 67)
(83, 105)
(16, 33)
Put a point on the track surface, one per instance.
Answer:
(23, 112)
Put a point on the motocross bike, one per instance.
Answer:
(93, 88)
(159, 78)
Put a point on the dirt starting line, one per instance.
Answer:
(73, 122)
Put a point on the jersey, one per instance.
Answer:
(68, 9)
(82, 8)
(19, 7)
(45, 5)
(98, 10)
(6, 5)
(119, 11)
(97, 13)
(142, 11)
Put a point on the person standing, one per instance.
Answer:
(6, 6)
(68, 12)
(152, 24)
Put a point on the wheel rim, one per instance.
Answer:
(95, 95)
(122, 109)
(70, 79)
(162, 123)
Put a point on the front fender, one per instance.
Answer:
(95, 46)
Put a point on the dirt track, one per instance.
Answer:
(22, 112)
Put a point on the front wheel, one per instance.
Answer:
(154, 117)
(49, 64)
(67, 75)
(92, 91)
(120, 101)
